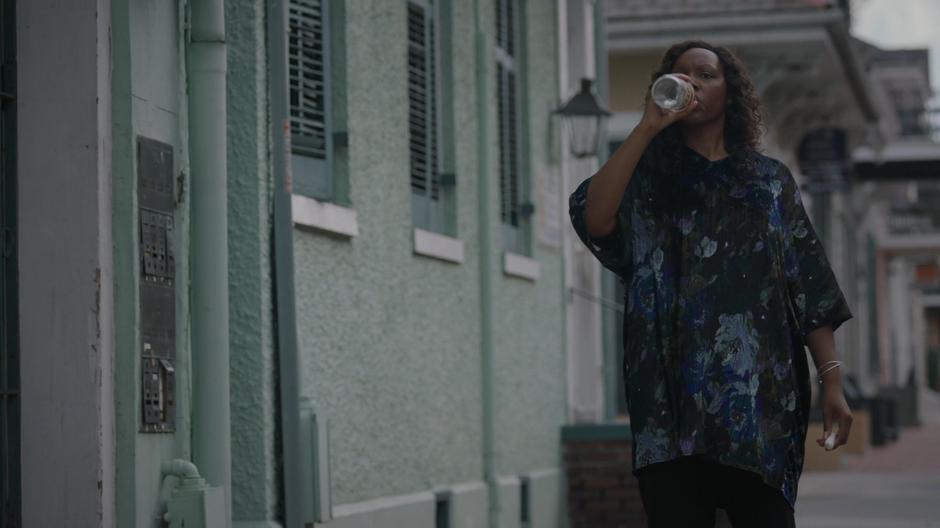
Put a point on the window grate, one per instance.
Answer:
(442, 511)
(525, 492)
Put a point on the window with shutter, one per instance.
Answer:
(513, 211)
(424, 114)
(308, 54)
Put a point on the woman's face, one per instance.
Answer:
(707, 74)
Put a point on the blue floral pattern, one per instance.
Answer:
(724, 278)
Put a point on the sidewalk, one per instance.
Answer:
(854, 499)
(917, 449)
(895, 486)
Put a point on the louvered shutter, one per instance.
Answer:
(309, 83)
(424, 114)
(509, 123)
(505, 24)
(508, 146)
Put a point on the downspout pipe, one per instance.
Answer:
(179, 468)
(283, 264)
(188, 481)
(206, 64)
(486, 267)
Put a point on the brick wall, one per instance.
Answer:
(648, 8)
(602, 491)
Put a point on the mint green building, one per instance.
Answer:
(285, 262)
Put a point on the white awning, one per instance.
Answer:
(913, 149)
(910, 159)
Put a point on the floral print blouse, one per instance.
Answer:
(724, 277)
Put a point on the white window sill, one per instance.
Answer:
(324, 216)
(438, 246)
(519, 266)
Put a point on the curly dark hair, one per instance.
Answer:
(743, 126)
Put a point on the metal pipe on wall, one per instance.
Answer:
(283, 257)
(206, 65)
(483, 53)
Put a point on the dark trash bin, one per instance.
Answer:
(884, 419)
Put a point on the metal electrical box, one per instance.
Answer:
(155, 199)
(195, 505)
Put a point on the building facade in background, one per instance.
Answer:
(899, 185)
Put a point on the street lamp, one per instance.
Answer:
(583, 118)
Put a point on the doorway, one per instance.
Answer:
(9, 333)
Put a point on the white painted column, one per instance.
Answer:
(584, 343)
(65, 262)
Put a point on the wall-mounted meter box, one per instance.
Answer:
(156, 202)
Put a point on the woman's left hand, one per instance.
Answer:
(835, 411)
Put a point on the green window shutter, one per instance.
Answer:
(424, 115)
(513, 211)
(308, 55)
(505, 24)
(509, 147)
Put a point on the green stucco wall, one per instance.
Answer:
(390, 341)
(149, 101)
(255, 481)
(529, 360)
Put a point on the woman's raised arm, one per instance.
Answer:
(610, 182)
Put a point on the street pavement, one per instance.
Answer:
(855, 499)
(895, 486)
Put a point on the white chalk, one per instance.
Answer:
(831, 441)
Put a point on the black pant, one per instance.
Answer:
(685, 492)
